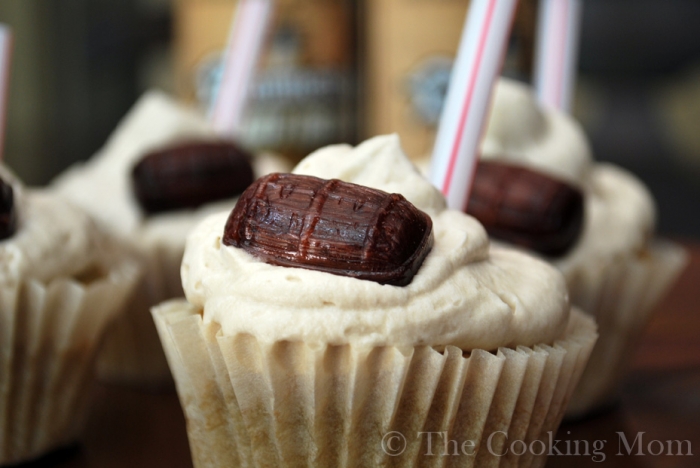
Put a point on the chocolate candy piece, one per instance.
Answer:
(526, 208)
(332, 226)
(8, 218)
(190, 174)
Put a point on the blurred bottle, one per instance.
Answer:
(304, 94)
(318, 84)
(408, 47)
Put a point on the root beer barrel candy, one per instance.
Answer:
(8, 218)
(332, 226)
(191, 174)
(526, 208)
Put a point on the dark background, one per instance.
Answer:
(80, 64)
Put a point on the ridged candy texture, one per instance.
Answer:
(332, 226)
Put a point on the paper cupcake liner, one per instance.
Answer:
(621, 299)
(131, 353)
(249, 403)
(49, 336)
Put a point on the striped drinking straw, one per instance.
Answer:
(479, 59)
(6, 43)
(556, 51)
(251, 21)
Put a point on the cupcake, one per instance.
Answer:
(62, 281)
(360, 323)
(163, 169)
(614, 267)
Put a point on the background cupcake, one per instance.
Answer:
(61, 283)
(279, 366)
(616, 271)
(105, 187)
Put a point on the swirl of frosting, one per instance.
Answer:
(519, 131)
(466, 293)
(619, 210)
(53, 238)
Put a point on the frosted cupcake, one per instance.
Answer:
(278, 365)
(152, 205)
(615, 269)
(61, 283)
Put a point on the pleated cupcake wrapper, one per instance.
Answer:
(250, 403)
(49, 336)
(132, 353)
(621, 300)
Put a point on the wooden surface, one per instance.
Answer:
(129, 428)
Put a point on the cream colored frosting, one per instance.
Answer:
(379, 163)
(465, 294)
(619, 210)
(103, 187)
(519, 131)
(53, 238)
(620, 218)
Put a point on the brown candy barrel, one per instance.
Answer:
(332, 226)
(191, 174)
(526, 208)
(8, 219)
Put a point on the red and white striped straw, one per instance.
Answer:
(246, 38)
(6, 42)
(556, 51)
(479, 59)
